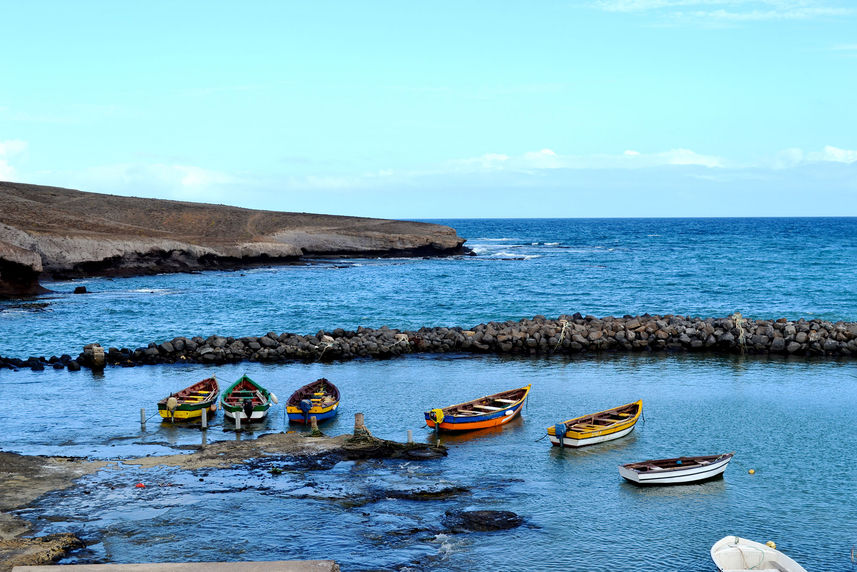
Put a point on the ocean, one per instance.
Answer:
(787, 419)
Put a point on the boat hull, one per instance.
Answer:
(245, 390)
(677, 476)
(590, 439)
(482, 413)
(187, 412)
(734, 553)
(257, 415)
(476, 422)
(297, 416)
(189, 403)
(596, 428)
(322, 398)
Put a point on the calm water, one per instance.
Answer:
(778, 416)
(790, 420)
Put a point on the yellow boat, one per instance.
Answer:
(189, 402)
(318, 399)
(597, 427)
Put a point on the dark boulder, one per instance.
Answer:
(481, 520)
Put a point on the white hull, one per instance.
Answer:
(733, 553)
(256, 416)
(569, 442)
(674, 476)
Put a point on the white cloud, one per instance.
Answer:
(795, 157)
(12, 147)
(158, 180)
(688, 157)
(832, 154)
(549, 159)
(725, 11)
(7, 149)
(7, 172)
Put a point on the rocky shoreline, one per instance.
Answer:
(539, 336)
(25, 478)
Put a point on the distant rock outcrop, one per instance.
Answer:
(51, 232)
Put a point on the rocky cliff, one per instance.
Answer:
(51, 232)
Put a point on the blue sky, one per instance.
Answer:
(595, 108)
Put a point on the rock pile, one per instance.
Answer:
(565, 335)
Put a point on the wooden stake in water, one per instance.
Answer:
(313, 424)
(143, 418)
(410, 436)
(238, 420)
(205, 418)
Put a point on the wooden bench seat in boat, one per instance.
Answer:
(509, 401)
(488, 407)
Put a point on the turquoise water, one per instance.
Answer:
(777, 415)
(765, 268)
(791, 420)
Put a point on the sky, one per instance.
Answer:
(426, 110)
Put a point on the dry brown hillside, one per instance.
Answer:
(65, 232)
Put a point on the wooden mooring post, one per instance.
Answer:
(360, 429)
(143, 418)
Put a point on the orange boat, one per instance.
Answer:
(488, 411)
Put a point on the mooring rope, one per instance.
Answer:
(739, 324)
(561, 333)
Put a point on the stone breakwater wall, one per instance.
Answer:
(539, 336)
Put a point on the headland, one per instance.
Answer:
(55, 233)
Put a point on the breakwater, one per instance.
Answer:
(538, 336)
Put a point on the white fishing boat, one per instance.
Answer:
(678, 471)
(734, 553)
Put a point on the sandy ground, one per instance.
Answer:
(228, 453)
(23, 479)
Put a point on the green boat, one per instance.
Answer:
(246, 400)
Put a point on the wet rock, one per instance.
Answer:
(36, 551)
(80, 290)
(481, 520)
(426, 494)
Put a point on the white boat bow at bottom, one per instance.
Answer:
(733, 553)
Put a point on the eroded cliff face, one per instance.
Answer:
(51, 232)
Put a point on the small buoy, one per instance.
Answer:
(752, 471)
(771, 544)
(140, 486)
